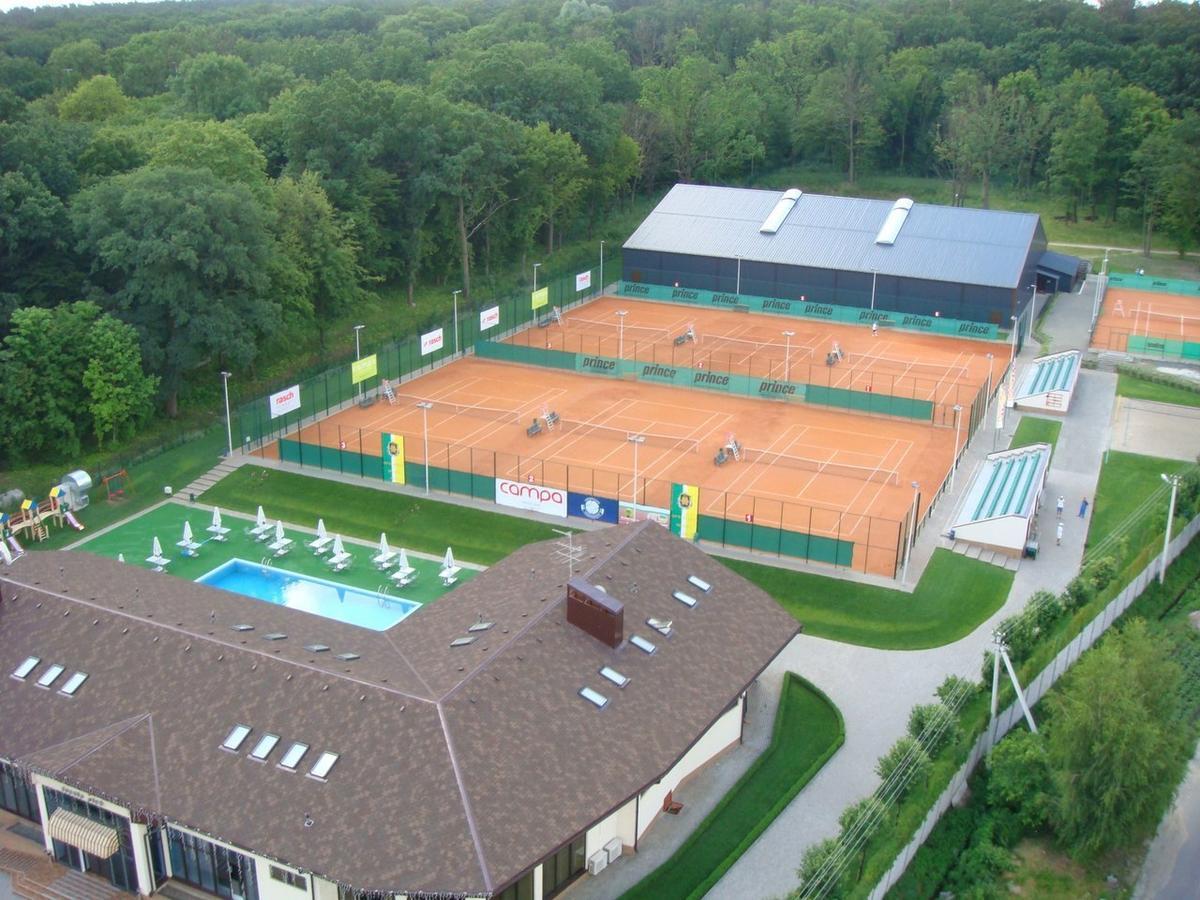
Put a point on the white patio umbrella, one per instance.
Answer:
(216, 517)
(384, 550)
(261, 519)
(121, 557)
(156, 548)
(187, 532)
(448, 562)
(403, 560)
(338, 549)
(279, 529)
(321, 528)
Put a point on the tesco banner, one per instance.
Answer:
(285, 401)
(583, 280)
(489, 318)
(532, 497)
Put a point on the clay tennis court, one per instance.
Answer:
(809, 470)
(942, 370)
(1156, 316)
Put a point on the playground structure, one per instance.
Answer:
(58, 508)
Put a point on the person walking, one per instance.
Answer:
(1083, 508)
(1059, 507)
(1059, 533)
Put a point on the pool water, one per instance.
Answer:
(366, 609)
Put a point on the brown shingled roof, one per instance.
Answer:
(460, 767)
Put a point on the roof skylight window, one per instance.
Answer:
(642, 644)
(697, 581)
(462, 641)
(74, 683)
(22, 671)
(662, 626)
(242, 627)
(234, 740)
(593, 697)
(50, 675)
(294, 754)
(316, 648)
(323, 764)
(685, 599)
(614, 676)
(347, 657)
(265, 745)
(275, 636)
(481, 626)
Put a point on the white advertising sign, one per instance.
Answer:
(285, 401)
(533, 497)
(431, 341)
(489, 318)
(583, 280)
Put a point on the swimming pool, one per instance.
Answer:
(365, 609)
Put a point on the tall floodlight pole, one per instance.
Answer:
(787, 355)
(535, 268)
(425, 406)
(954, 466)
(911, 528)
(456, 293)
(738, 289)
(874, 275)
(635, 439)
(621, 314)
(1173, 481)
(228, 423)
(1015, 327)
(1032, 311)
(987, 399)
(358, 352)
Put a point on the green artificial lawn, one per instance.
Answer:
(808, 730)
(1033, 430)
(1125, 481)
(1140, 389)
(134, 539)
(417, 523)
(952, 598)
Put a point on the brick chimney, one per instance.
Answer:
(592, 610)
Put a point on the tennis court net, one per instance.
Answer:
(876, 474)
(631, 332)
(490, 413)
(666, 441)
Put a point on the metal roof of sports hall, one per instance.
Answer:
(940, 243)
(459, 767)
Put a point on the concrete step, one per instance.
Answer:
(77, 886)
(974, 551)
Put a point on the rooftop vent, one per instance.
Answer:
(595, 612)
(894, 222)
(662, 626)
(780, 212)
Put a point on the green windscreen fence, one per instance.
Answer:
(775, 540)
(709, 380)
(1167, 349)
(1152, 283)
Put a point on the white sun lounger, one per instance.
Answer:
(280, 546)
(160, 563)
(340, 559)
(262, 532)
(189, 548)
(404, 575)
(449, 575)
(218, 532)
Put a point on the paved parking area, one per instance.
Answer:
(1156, 429)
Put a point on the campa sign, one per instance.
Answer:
(286, 401)
(533, 497)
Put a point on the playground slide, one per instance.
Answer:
(73, 522)
(12, 542)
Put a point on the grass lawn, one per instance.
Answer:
(954, 595)
(1033, 430)
(134, 538)
(1125, 481)
(1141, 389)
(177, 467)
(417, 523)
(808, 730)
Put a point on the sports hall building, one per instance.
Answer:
(501, 742)
(876, 259)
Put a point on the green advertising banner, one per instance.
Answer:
(362, 369)
(1152, 283)
(813, 309)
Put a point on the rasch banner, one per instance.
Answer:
(431, 341)
(533, 497)
(489, 318)
(285, 401)
(583, 280)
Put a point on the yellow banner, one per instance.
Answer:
(362, 369)
(685, 510)
(540, 298)
(393, 457)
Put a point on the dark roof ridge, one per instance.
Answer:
(465, 798)
(194, 635)
(128, 723)
(400, 653)
(620, 545)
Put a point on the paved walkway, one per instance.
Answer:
(1172, 867)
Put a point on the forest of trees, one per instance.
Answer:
(190, 186)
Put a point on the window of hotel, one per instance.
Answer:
(561, 868)
(521, 889)
(17, 794)
(211, 867)
(349, 893)
(291, 879)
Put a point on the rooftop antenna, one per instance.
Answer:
(568, 551)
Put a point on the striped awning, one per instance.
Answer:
(79, 831)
